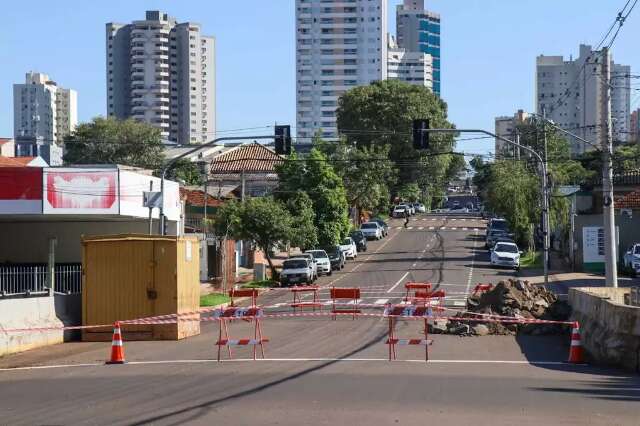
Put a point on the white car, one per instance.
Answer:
(398, 211)
(371, 230)
(408, 207)
(420, 208)
(296, 271)
(323, 263)
(348, 246)
(506, 254)
(312, 261)
(632, 257)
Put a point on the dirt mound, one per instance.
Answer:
(518, 300)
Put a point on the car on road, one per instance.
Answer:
(420, 208)
(398, 211)
(459, 210)
(455, 205)
(493, 236)
(371, 230)
(506, 254)
(632, 257)
(323, 263)
(384, 225)
(360, 240)
(498, 224)
(337, 257)
(349, 247)
(312, 260)
(296, 271)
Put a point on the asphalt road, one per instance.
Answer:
(320, 371)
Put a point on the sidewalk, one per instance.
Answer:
(561, 278)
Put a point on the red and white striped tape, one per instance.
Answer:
(241, 342)
(421, 342)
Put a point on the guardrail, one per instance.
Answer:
(33, 279)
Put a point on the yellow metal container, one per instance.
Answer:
(133, 276)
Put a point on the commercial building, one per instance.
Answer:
(634, 127)
(339, 45)
(573, 95)
(43, 114)
(162, 72)
(506, 127)
(418, 30)
(411, 67)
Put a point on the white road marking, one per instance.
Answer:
(431, 228)
(421, 228)
(380, 301)
(464, 229)
(454, 228)
(473, 260)
(250, 360)
(398, 283)
(443, 228)
(410, 227)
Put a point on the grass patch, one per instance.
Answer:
(531, 260)
(214, 299)
(260, 284)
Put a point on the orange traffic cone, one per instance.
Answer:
(117, 349)
(576, 355)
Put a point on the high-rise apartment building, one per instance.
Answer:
(163, 72)
(418, 30)
(572, 94)
(340, 44)
(506, 127)
(43, 112)
(410, 67)
(634, 127)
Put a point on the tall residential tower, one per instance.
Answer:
(163, 72)
(340, 44)
(418, 30)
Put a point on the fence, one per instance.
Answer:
(33, 279)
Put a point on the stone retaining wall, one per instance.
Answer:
(610, 329)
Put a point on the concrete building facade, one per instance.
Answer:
(163, 72)
(634, 126)
(411, 67)
(340, 44)
(505, 127)
(43, 112)
(418, 30)
(573, 96)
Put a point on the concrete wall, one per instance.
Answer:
(29, 240)
(610, 329)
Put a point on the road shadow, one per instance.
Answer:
(613, 384)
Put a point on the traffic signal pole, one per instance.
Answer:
(543, 166)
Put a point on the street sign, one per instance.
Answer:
(152, 199)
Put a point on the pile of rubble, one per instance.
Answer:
(514, 299)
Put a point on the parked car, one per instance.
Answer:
(412, 210)
(371, 230)
(420, 208)
(360, 240)
(349, 247)
(494, 234)
(632, 257)
(296, 271)
(312, 259)
(337, 257)
(383, 224)
(322, 261)
(398, 211)
(498, 224)
(506, 254)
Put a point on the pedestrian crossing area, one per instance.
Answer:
(439, 228)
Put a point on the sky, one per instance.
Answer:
(488, 52)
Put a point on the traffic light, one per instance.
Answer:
(420, 135)
(283, 140)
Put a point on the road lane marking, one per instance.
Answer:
(398, 283)
(421, 228)
(380, 301)
(473, 260)
(431, 228)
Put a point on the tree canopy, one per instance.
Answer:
(112, 141)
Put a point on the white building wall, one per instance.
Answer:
(621, 102)
(339, 45)
(411, 67)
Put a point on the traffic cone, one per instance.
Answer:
(576, 355)
(117, 349)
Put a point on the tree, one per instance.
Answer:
(112, 141)
(382, 114)
(186, 171)
(303, 231)
(409, 192)
(314, 176)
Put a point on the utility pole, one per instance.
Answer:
(610, 249)
(150, 211)
(243, 185)
(545, 202)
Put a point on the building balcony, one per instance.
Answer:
(161, 55)
(161, 73)
(137, 74)
(159, 89)
(162, 116)
(141, 91)
(138, 54)
(139, 108)
(160, 107)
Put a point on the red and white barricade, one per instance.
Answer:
(244, 292)
(413, 288)
(392, 312)
(350, 307)
(299, 303)
(435, 299)
(253, 313)
(482, 288)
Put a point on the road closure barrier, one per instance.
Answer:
(297, 299)
(351, 294)
(244, 292)
(393, 312)
(482, 288)
(411, 288)
(251, 314)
